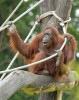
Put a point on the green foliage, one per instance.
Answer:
(24, 25)
(22, 96)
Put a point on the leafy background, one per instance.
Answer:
(24, 25)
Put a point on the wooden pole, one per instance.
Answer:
(59, 95)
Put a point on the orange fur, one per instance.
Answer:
(34, 51)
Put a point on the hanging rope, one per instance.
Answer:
(43, 60)
(27, 11)
(64, 31)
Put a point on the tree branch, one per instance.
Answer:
(33, 83)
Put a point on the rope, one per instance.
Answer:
(64, 31)
(14, 58)
(29, 65)
(27, 11)
(20, 3)
(46, 14)
(49, 13)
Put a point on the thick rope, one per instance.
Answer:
(29, 65)
(17, 7)
(49, 13)
(27, 11)
(64, 31)
(14, 58)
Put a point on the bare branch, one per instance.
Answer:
(40, 83)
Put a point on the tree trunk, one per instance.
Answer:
(62, 9)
